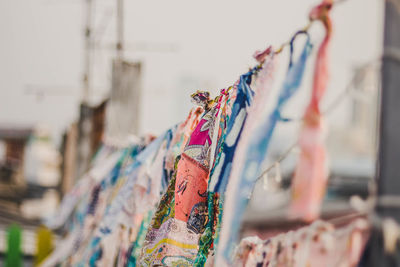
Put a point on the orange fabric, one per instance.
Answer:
(190, 188)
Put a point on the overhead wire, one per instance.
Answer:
(306, 28)
(336, 102)
(332, 106)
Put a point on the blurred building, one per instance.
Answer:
(90, 133)
(29, 173)
(13, 143)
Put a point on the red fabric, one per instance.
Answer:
(309, 182)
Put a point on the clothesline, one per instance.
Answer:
(332, 106)
(306, 28)
(260, 56)
(172, 201)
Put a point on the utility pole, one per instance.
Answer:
(88, 51)
(120, 30)
(123, 109)
(388, 168)
(389, 145)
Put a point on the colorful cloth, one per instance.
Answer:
(320, 244)
(179, 200)
(247, 166)
(222, 167)
(173, 236)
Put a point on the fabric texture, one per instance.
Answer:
(181, 216)
(247, 166)
(320, 244)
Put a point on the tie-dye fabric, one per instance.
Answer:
(221, 169)
(248, 165)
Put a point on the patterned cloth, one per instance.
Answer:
(181, 217)
(179, 200)
(320, 244)
(251, 153)
(230, 134)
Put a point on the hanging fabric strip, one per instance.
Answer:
(319, 244)
(309, 182)
(13, 257)
(44, 244)
(221, 169)
(107, 160)
(110, 218)
(127, 202)
(180, 218)
(247, 166)
(244, 98)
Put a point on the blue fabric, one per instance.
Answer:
(96, 256)
(244, 98)
(167, 176)
(258, 144)
(109, 220)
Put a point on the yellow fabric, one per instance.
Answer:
(44, 244)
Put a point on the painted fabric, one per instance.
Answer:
(320, 244)
(177, 144)
(136, 192)
(128, 203)
(181, 216)
(247, 166)
(105, 160)
(90, 211)
(244, 98)
(142, 220)
(96, 207)
(181, 137)
(231, 129)
(189, 199)
(136, 246)
(311, 172)
(119, 199)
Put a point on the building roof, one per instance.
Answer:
(9, 132)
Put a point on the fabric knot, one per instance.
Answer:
(261, 55)
(321, 11)
(225, 91)
(202, 98)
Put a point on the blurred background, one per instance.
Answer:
(75, 71)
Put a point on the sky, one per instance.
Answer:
(184, 46)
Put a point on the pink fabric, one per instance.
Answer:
(199, 144)
(311, 173)
(261, 55)
(200, 135)
(181, 137)
(320, 244)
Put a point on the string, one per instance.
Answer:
(306, 28)
(331, 107)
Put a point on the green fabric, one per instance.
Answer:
(13, 251)
(206, 238)
(137, 245)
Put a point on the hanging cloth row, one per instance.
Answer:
(179, 200)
